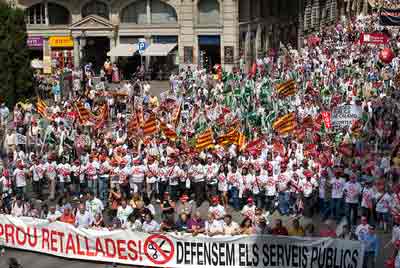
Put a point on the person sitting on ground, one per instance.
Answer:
(246, 227)
(279, 229)
(297, 229)
(67, 216)
(196, 224)
(150, 225)
(213, 226)
(134, 224)
(230, 227)
(53, 214)
(182, 222)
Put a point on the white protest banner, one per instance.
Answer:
(171, 250)
(343, 116)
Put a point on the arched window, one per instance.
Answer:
(208, 12)
(162, 13)
(96, 8)
(135, 13)
(36, 14)
(58, 15)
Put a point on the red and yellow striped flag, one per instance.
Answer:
(83, 114)
(285, 124)
(286, 89)
(133, 124)
(168, 131)
(241, 142)
(229, 138)
(41, 108)
(103, 117)
(205, 140)
(177, 116)
(150, 125)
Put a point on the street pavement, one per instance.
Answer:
(37, 260)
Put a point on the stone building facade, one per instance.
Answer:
(203, 31)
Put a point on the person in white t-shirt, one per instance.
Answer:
(337, 196)
(123, 211)
(362, 228)
(214, 226)
(37, 171)
(20, 178)
(352, 191)
(248, 210)
(383, 202)
(216, 209)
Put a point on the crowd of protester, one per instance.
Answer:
(114, 176)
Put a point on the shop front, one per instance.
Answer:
(164, 57)
(62, 52)
(35, 45)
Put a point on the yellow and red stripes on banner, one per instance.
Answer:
(285, 124)
(41, 108)
(241, 142)
(230, 137)
(177, 115)
(286, 89)
(103, 117)
(205, 140)
(150, 125)
(168, 132)
(83, 114)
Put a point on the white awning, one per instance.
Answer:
(123, 50)
(159, 49)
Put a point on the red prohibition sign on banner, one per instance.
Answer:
(159, 249)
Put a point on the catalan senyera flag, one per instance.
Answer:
(133, 124)
(150, 125)
(177, 116)
(287, 89)
(83, 114)
(205, 140)
(168, 131)
(230, 137)
(103, 117)
(285, 124)
(41, 108)
(241, 142)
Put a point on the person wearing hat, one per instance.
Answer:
(216, 208)
(20, 177)
(383, 201)
(249, 210)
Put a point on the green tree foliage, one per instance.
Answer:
(16, 74)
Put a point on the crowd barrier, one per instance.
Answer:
(173, 250)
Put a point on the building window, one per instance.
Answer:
(96, 8)
(208, 12)
(162, 13)
(135, 13)
(58, 15)
(36, 14)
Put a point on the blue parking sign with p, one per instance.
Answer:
(142, 46)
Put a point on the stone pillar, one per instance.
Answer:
(365, 7)
(258, 45)
(247, 47)
(76, 52)
(149, 41)
(315, 15)
(268, 33)
(46, 47)
(300, 28)
(112, 45)
(148, 11)
(46, 12)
